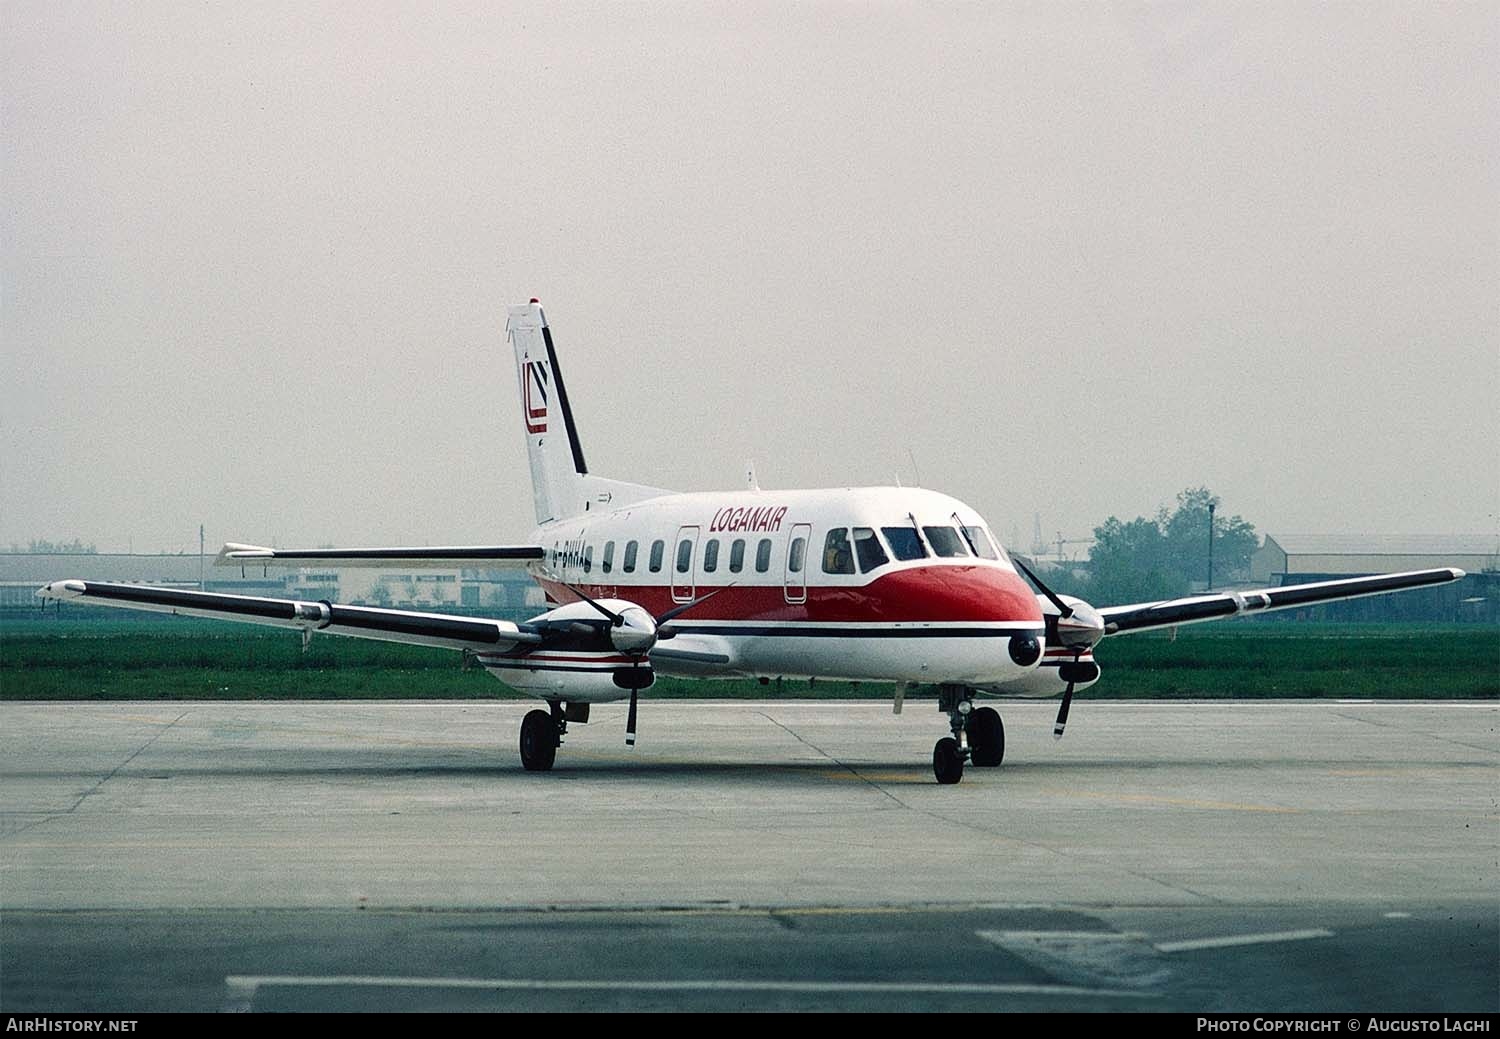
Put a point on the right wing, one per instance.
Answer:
(422, 629)
(1120, 620)
(439, 557)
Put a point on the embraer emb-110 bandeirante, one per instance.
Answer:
(880, 584)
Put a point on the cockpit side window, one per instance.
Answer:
(946, 542)
(980, 539)
(868, 550)
(838, 555)
(905, 542)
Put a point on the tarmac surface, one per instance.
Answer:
(759, 855)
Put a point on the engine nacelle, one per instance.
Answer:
(1051, 677)
(585, 657)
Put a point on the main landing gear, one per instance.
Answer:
(978, 735)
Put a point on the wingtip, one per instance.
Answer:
(61, 589)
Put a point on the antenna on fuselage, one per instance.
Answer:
(750, 480)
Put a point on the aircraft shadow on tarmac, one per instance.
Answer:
(416, 763)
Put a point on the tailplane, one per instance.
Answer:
(560, 477)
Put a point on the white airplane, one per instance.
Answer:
(879, 584)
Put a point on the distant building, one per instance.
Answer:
(1302, 558)
(508, 594)
(1313, 556)
(22, 573)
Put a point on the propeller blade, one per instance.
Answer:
(1062, 607)
(614, 618)
(1067, 701)
(630, 722)
(1062, 713)
(678, 611)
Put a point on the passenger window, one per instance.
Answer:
(797, 555)
(737, 556)
(608, 562)
(684, 555)
(588, 558)
(763, 556)
(904, 542)
(982, 543)
(868, 550)
(945, 541)
(838, 555)
(658, 549)
(711, 556)
(630, 550)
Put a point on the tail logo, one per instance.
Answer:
(534, 384)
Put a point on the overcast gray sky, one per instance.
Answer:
(1072, 259)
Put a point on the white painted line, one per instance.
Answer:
(241, 989)
(1397, 916)
(1354, 701)
(1230, 941)
(1002, 937)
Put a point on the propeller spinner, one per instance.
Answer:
(1079, 627)
(634, 632)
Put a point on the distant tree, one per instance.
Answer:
(1129, 563)
(1186, 532)
(1163, 558)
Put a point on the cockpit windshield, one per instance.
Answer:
(946, 541)
(905, 542)
(980, 539)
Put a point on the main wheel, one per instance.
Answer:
(538, 741)
(986, 738)
(947, 763)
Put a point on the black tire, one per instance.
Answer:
(947, 763)
(538, 742)
(986, 738)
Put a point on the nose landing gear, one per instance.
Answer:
(978, 735)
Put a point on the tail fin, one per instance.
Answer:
(560, 478)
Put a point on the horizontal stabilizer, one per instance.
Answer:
(422, 629)
(1119, 620)
(437, 557)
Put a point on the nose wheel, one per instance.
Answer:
(947, 761)
(978, 735)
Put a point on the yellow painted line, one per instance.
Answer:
(1175, 802)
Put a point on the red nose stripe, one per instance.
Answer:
(929, 593)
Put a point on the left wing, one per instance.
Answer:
(436, 557)
(422, 629)
(1119, 620)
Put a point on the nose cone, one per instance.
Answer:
(951, 593)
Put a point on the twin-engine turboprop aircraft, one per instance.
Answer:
(877, 584)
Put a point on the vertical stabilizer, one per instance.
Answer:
(560, 478)
(557, 465)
